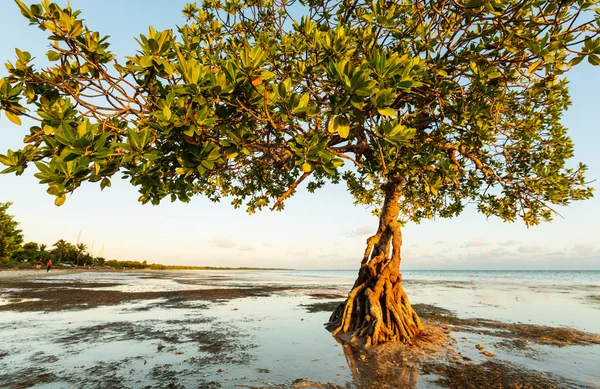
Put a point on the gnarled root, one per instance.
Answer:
(377, 310)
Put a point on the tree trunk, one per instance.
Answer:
(377, 309)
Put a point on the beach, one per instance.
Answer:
(265, 329)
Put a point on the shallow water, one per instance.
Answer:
(273, 340)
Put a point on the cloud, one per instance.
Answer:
(245, 247)
(586, 250)
(531, 248)
(223, 242)
(509, 242)
(226, 242)
(485, 255)
(477, 242)
(329, 256)
(439, 242)
(556, 254)
(360, 231)
(302, 253)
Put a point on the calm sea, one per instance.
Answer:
(567, 277)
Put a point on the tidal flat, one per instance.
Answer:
(264, 329)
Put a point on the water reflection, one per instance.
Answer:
(378, 370)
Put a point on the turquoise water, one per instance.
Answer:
(580, 277)
(542, 277)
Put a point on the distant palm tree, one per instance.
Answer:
(62, 248)
(81, 253)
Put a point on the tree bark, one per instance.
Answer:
(377, 309)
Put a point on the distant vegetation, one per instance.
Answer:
(157, 266)
(13, 253)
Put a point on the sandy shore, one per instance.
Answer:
(35, 273)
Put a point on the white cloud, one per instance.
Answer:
(509, 242)
(476, 242)
(361, 231)
(586, 249)
(301, 253)
(486, 255)
(530, 248)
(226, 242)
(329, 256)
(245, 247)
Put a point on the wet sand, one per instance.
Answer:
(8, 274)
(211, 329)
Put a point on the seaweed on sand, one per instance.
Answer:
(553, 336)
(494, 374)
(328, 306)
(26, 378)
(60, 298)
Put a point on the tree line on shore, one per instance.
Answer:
(15, 253)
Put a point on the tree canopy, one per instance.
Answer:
(455, 100)
(10, 236)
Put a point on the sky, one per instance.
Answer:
(315, 231)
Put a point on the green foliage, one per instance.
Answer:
(66, 252)
(126, 264)
(10, 236)
(457, 101)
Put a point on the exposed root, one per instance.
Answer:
(377, 310)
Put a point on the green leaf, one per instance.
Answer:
(306, 167)
(266, 75)
(60, 200)
(24, 9)
(472, 3)
(13, 118)
(303, 101)
(340, 125)
(534, 67)
(167, 112)
(594, 60)
(5, 160)
(387, 112)
(442, 73)
(146, 61)
(104, 183)
(53, 55)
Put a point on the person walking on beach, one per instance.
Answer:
(49, 264)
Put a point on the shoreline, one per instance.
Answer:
(68, 270)
(35, 273)
(135, 328)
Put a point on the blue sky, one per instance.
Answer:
(316, 231)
